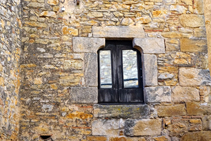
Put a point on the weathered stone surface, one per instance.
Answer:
(83, 95)
(121, 111)
(96, 138)
(184, 94)
(197, 136)
(194, 108)
(206, 122)
(107, 127)
(83, 44)
(150, 70)
(127, 139)
(191, 45)
(90, 72)
(150, 45)
(174, 110)
(192, 20)
(158, 94)
(143, 127)
(118, 31)
(193, 77)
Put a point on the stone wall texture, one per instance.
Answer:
(10, 50)
(49, 70)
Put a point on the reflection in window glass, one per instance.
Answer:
(130, 72)
(105, 69)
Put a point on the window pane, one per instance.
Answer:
(105, 69)
(130, 71)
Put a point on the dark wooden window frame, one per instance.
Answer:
(118, 94)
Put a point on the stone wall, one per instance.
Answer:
(59, 70)
(10, 49)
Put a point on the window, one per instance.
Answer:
(120, 73)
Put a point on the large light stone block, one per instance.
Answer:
(158, 94)
(107, 127)
(143, 127)
(84, 95)
(194, 77)
(84, 44)
(192, 20)
(193, 45)
(184, 94)
(150, 70)
(91, 69)
(150, 45)
(121, 111)
(118, 31)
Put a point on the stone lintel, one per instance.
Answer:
(150, 45)
(85, 44)
(84, 95)
(121, 111)
(118, 32)
(150, 70)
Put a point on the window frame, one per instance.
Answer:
(117, 90)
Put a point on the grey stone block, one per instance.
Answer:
(150, 70)
(118, 31)
(158, 94)
(150, 45)
(84, 95)
(91, 69)
(84, 44)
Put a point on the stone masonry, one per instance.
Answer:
(10, 51)
(49, 70)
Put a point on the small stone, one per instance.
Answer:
(48, 14)
(53, 2)
(126, 21)
(165, 76)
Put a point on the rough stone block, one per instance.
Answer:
(96, 138)
(121, 111)
(184, 94)
(84, 44)
(150, 45)
(118, 31)
(194, 77)
(192, 20)
(197, 136)
(143, 127)
(83, 95)
(193, 45)
(206, 122)
(174, 110)
(158, 94)
(91, 69)
(198, 109)
(150, 70)
(107, 127)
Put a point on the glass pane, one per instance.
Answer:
(130, 69)
(105, 69)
